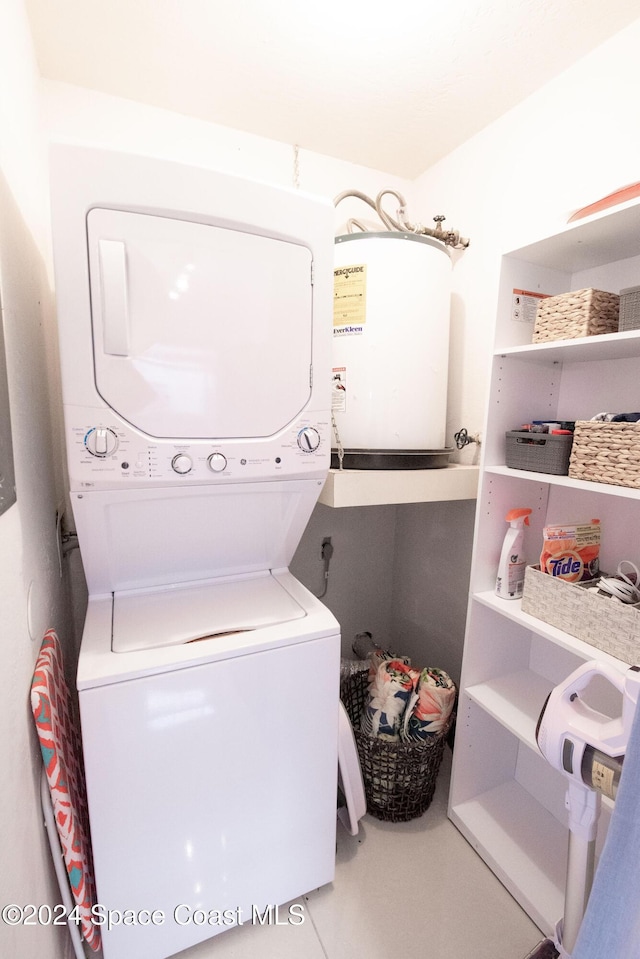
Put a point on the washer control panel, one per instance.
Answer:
(104, 452)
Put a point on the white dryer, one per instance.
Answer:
(194, 314)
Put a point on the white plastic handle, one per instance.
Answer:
(580, 678)
(115, 306)
(603, 732)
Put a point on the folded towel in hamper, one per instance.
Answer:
(390, 689)
(379, 656)
(433, 703)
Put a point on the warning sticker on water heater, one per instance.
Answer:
(339, 389)
(349, 300)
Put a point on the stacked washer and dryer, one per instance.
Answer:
(194, 313)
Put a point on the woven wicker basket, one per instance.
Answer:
(571, 315)
(629, 309)
(601, 621)
(399, 778)
(606, 453)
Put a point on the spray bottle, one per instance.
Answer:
(510, 578)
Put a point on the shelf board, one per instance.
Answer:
(512, 609)
(384, 487)
(605, 346)
(522, 843)
(515, 701)
(604, 237)
(625, 492)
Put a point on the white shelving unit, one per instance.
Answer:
(505, 799)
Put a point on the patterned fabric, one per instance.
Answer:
(379, 656)
(61, 752)
(429, 713)
(390, 689)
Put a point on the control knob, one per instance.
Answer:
(308, 439)
(101, 442)
(217, 462)
(181, 463)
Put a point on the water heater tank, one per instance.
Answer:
(390, 350)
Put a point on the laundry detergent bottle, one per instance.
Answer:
(510, 578)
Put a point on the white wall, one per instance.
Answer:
(32, 596)
(76, 115)
(572, 142)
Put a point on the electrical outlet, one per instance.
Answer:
(325, 542)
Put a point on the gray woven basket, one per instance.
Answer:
(538, 452)
(606, 453)
(580, 313)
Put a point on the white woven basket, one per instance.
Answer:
(580, 313)
(601, 621)
(629, 309)
(606, 453)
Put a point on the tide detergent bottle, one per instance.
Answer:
(510, 578)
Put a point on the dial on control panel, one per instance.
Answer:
(181, 463)
(101, 442)
(217, 462)
(308, 439)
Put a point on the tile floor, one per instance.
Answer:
(413, 890)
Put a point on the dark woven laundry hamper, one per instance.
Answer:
(399, 778)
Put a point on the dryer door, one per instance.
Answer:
(199, 331)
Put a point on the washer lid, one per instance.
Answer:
(171, 616)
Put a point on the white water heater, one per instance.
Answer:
(391, 314)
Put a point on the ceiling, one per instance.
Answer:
(390, 85)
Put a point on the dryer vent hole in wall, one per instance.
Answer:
(326, 552)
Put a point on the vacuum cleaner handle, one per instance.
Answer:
(609, 735)
(582, 676)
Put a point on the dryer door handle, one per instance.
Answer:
(115, 304)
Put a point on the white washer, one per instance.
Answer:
(194, 316)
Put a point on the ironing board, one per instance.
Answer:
(61, 752)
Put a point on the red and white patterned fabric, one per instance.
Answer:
(61, 753)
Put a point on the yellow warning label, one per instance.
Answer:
(350, 298)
